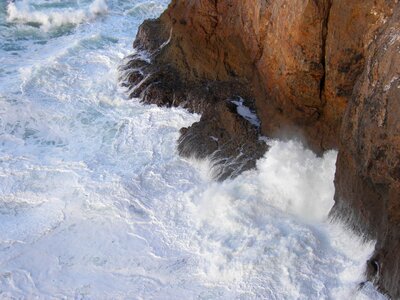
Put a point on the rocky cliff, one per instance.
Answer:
(368, 167)
(325, 71)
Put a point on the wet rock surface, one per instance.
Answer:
(229, 140)
(368, 167)
(325, 71)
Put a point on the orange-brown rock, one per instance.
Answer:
(275, 47)
(351, 28)
(368, 167)
(326, 71)
(279, 48)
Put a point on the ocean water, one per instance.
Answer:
(95, 203)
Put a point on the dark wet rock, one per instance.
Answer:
(230, 141)
(225, 137)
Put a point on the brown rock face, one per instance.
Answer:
(351, 28)
(368, 168)
(323, 70)
(275, 47)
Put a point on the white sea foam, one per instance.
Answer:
(243, 234)
(95, 203)
(246, 112)
(149, 9)
(98, 7)
(23, 13)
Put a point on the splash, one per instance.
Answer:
(98, 7)
(270, 226)
(21, 12)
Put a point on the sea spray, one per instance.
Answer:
(22, 12)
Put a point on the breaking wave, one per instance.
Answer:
(22, 12)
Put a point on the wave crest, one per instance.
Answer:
(21, 12)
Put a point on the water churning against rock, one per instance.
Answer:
(95, 203)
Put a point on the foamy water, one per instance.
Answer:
(95, 203)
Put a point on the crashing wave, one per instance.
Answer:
(21, 12)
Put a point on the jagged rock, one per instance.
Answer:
(230, 141)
